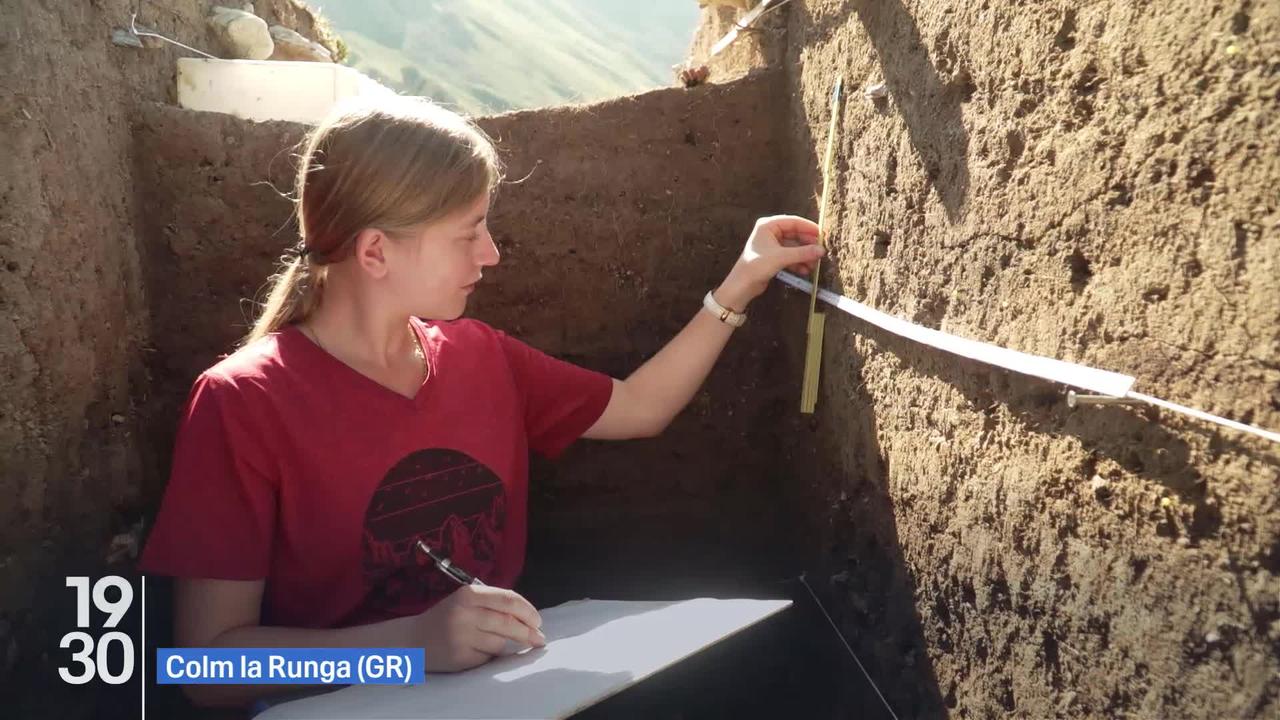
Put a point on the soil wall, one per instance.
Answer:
(1093, 182)
(74, 329)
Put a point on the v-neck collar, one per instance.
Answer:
(334, 365)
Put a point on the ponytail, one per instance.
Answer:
(294, 292)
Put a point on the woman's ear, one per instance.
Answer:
(371, 251)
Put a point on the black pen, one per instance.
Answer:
(448, 568)
(458, 574)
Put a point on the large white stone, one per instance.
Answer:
(291, 45)
(243, 35)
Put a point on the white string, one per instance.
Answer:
(746, 22)
(761, 15)
(840, 635)
(1104, 381)
(1202, 415)
(133, 28)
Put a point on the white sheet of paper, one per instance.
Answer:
(1067, 373)
(595, 648)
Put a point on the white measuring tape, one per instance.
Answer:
(1075, 375)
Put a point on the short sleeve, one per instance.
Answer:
(217, 518)
(561, 400)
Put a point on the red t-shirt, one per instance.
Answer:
(292, 467)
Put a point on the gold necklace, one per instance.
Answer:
(418, 352)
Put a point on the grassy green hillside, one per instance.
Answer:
(486, 56)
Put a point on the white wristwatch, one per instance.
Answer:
(722, 313)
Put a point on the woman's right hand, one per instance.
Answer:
(473, 624)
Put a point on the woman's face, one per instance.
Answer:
(437, 270)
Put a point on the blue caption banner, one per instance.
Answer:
(289, 666)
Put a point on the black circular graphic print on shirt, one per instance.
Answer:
(447, 499)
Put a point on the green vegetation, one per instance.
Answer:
(487, 56)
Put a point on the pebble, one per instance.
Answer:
(875, 91)
(1101, 488)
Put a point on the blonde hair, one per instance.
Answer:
(391, 163)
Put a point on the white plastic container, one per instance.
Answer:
(300, 92)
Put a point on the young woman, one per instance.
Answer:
(361, 416)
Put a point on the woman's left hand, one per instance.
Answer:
(778, 242)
